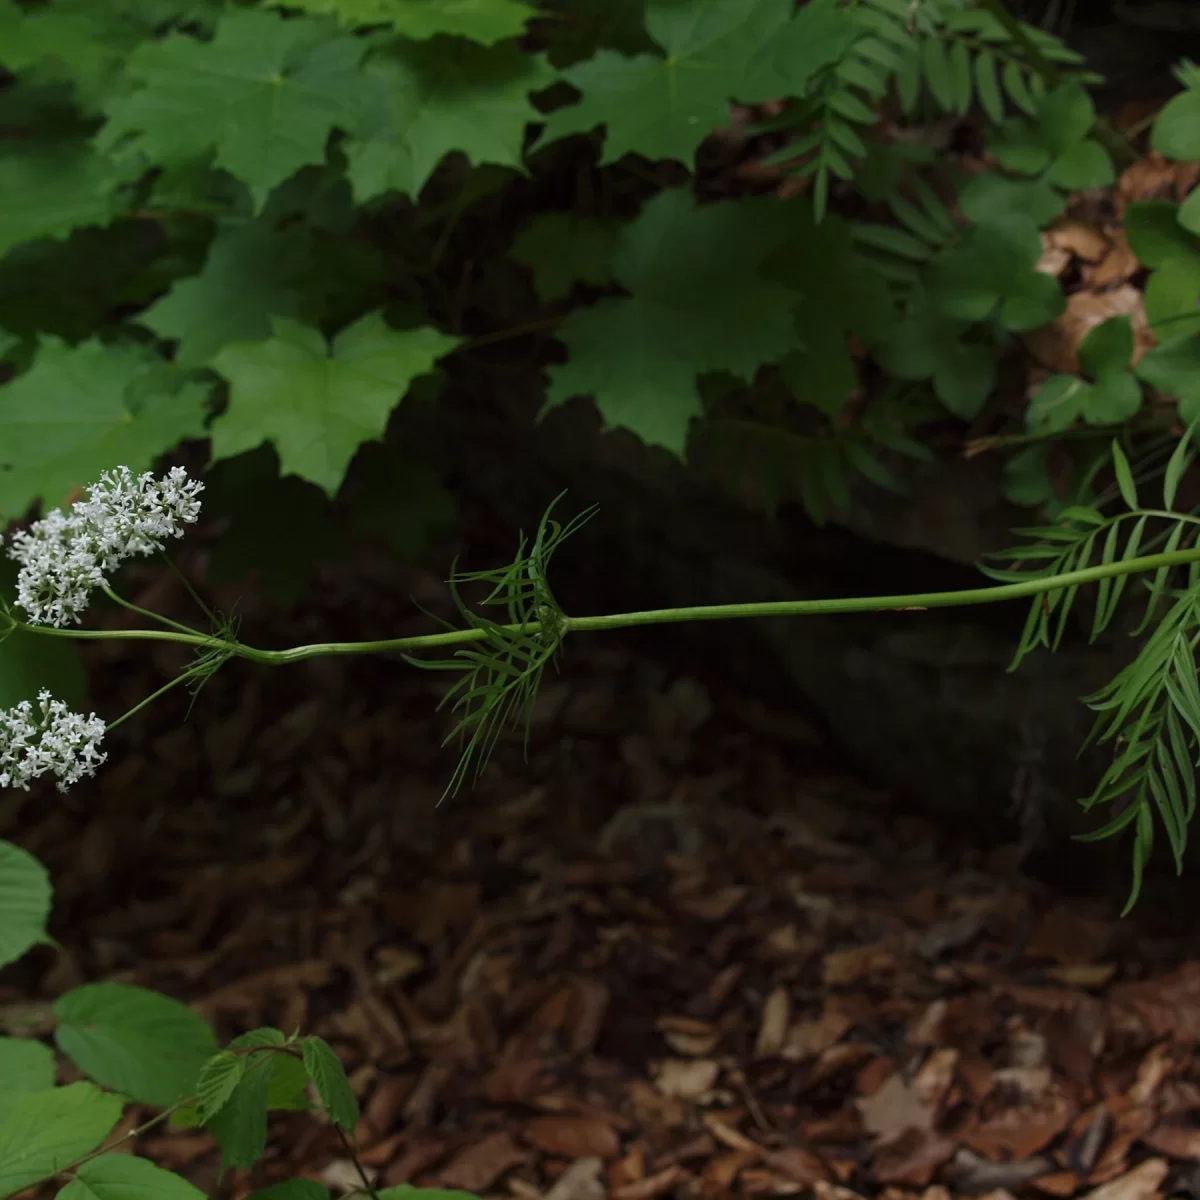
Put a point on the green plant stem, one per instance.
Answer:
(146, 612)
(1115, 142)
(913, 602)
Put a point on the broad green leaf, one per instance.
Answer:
(697, 305)
(964, 378)
(41, 1132)
(127, 1177)
(1057, 405)
(1124, 476)
(1176, 131)
(264, 94)
(292, 1189)
(251, 275)
(823, 373)
(1025, 478)
(1108, 347)
(26, 1065)
(1112, 399)
(422, 102)
(52, 188)
(1082, 165)
(25, 896)
(1154, 233)
(561, 249)
(317, 403)
(135, 1041)
(1189, 212)
(329, 1078)
(987, 197)
(1064, 117)
(664, 107)
(1173, 367)
(287, 1085)
(1031, 301)
(486, 21)
(75, 414)
(1172, 298)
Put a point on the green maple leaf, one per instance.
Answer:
(421, 102)
(714, 51)
(561, 249)
(698, 304)
(77, 412)
(486, 21)
(51, 189)
(265, 94)
(316, 406)
(248, 278)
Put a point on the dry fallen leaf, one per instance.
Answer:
(574, 1137)
(1143, 1182)
(896, 1107)
(686, 1079)
(580, 1181)
(772, 1031)
(480, 1165)
(1056, 345)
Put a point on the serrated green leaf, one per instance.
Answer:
(52, 188)
(241, 1125)
(127, 1177)
(484, 21)
(74, 415)
(40, 1132)
(218, 1077)
(252, 273)
(1124, 476)
(740, 49)
(562, 249)
(25, 897)
(329, 1078)
(264, 94)
(135, 1041)
(25, 1065)
(422, 102)
(317, 404)
(697, 305)
(1176, 131)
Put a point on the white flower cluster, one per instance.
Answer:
(54, 739)
(65, 556)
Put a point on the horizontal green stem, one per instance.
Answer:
(912, 602)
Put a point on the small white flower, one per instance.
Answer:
(53, 739)
(65, 556)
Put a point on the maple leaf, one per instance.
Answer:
(698, 304)
(715, 51)
(485, 21)
(77, 412)
(422, 102)
(265, 94)
(50, 189)
(248, 278)
(561, 249)
(317, 407)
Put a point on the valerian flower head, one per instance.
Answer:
(51, 739)
(66, 555)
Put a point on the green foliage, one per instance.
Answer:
(25, 895)
(26, 1066)
(124, 1177)
(137, 1042)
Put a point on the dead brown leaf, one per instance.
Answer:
(479, 1166)
(1143, 1182)
(574, 1137)
(895, 1108)
(686, 1079)
(1056, 345)
(773, 1028)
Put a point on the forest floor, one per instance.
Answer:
(676, 952)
